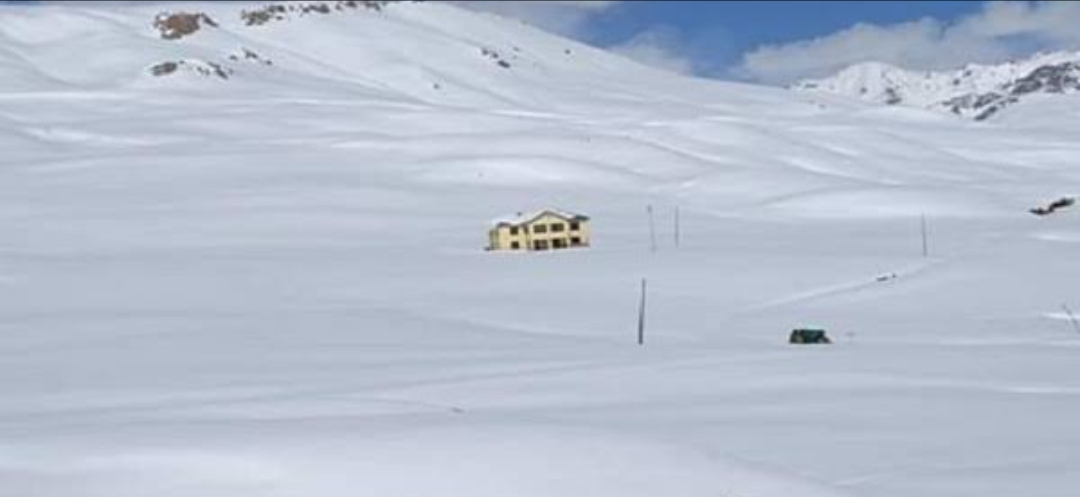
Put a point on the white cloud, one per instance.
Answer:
(566, 18)
(999, 31)
(1053, 21)
(658, 47)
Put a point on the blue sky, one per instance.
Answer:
(715, 34)
(779, 42)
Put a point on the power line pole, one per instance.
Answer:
(676, 226)
(641, 316)
(925, 244)
(652, 229)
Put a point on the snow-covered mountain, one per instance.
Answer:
(976, 90)
(445, 55)
(242, 253)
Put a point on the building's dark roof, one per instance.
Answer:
(528, 217)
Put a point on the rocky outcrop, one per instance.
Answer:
(494, 55)
(199, 67)
(176, 25)
(283, 11)
(250, 56)
(164, 68)
(1057, 78)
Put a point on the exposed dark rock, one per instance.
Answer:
(493, 55)
(207, 69)
(264, 15)
(994, 109)
(164, 68)
(215, 70)
(1056, 78)
(1060, 203)
(281, 12)
(176, 25)
(985, 99)
(250, 55)
(892, 97)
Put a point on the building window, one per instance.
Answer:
(540, 245)
(559, 243)
(574, 226)
(558, 228)
(513, 230)
(540, 228)
(575, 242)
(514, 245)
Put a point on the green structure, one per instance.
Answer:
(808, 335)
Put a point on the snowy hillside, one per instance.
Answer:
(978, 91)
(431, 53)
(242, 254)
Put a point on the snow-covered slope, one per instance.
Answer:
(976, 90)
(261, 272)
(428, 53)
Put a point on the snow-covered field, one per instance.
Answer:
(275, 284)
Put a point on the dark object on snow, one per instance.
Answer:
(1055, 205)
(201, 68)
(176, 25)
(805, 335)
(285, 10)
(164, 68)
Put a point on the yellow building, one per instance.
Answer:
(543, 230)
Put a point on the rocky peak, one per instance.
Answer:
(975, 91)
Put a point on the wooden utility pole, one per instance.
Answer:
(925, 244)
(641, 316)
(652, 229)
(676, 226)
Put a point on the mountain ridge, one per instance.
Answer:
(977, 91)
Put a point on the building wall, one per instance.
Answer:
(542, 233)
